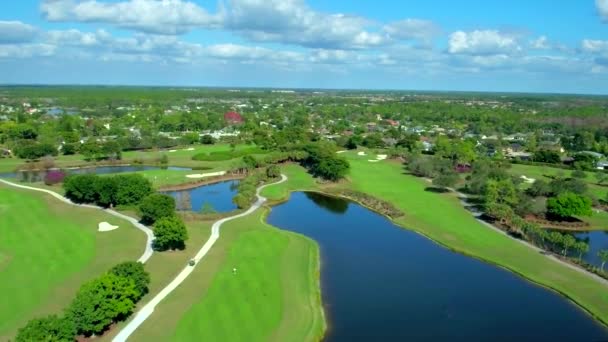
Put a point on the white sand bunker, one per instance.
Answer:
(190, 149)
(373, 160)
(340, 151)
(361, 153)
(381, 156)
(528, 180)
(106, 227)
(171, 151)
(203, 175)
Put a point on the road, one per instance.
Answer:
(149, 234)
(148, 309)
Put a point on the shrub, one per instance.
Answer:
(49, 328)
(170, 233)
(131, 189)
(569, 204)
(135, 271)
(273, 171)
(207, 140)
(53, 177)
(156, 206)
(81, 188)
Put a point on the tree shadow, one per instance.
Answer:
(436, 190)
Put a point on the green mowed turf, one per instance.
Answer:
(446, 222)
(274, 294)
(48, 249)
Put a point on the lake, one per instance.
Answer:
(381, 282)
(217, 196)
(597, 240)
(39, 175)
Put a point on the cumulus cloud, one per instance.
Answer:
(16, 32)
(26, 50)
(282, 21)
(413, 29)
(595, 46)
(602, 8)
(540, 43)
(482, 42)
(152, 16)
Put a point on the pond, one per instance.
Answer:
(215, 197)
(597, 240)
(34, 176)
(381, 282)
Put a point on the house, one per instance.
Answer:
(392, 123)
(233, 118)
(5, 152)
(602, 165)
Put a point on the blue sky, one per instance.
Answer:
(516, 45)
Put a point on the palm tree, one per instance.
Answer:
(567, 242)
(603, 254)
(582, 247)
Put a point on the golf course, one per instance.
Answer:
(49, 249)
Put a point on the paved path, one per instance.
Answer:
(148, 309)
(149, 234)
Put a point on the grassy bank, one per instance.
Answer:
(48, 249)
(448, 223)
(273, 295)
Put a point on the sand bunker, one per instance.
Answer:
(106, 227)
(373, 160)
(361, 153)
(171, 151)
(203, 175)
(528, 180)
(381, 156)
(340, 151)
(190, 149)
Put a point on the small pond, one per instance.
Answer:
(215, 197)
(597, 240)
(384, 283)
(33, 176)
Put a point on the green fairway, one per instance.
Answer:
(273, 295)
(181, 156)
(48, 249)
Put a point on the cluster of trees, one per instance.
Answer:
(169, 229)
(35, 150)
(98, 304)
(247, 188)
(107, 191)
(322, 161)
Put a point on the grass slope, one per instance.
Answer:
(49, 249)
(274, 294)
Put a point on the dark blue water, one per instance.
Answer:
(384, 283)
(37, 176)
(597, 240)
(217, 197)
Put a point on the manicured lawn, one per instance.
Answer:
(48, 249)
(181, 157)
(446, 222)
(540, 172)
(274, 294)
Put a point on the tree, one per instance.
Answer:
(241, 201)
(546, 156)
(273, 171)
(35, 151)
(502, 191)
(603, 254)
(112, 150)
(90, 149)
(170, 233)
(106, 188)
(69, 149)
(601, 177)
(501, 212)
(581, 247)
(135, 271)
(373, 141)
(81, 188)
(131, 189)
(569, 204)
(568, 241)
(48, 329)
(156, 206)
(555, 238)
(207, 140)
(446, 180)
(580, 174)
(539, 188)
(101, 302)
(332, 169)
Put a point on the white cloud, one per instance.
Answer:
(595, 46)
(540, 43)
(152, 16)
(16, 32)
(602, 8)
(26, 50)
(293, 22)
(482, 42)
(413, 29)
(75, 37)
